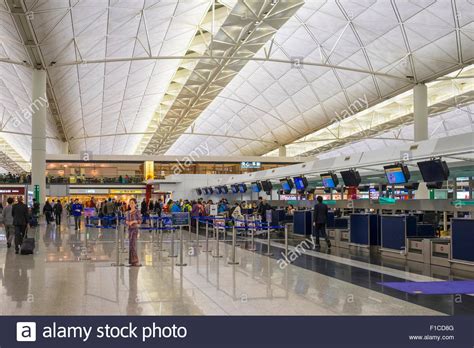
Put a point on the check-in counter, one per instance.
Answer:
(339, 232)
(395, 231)
(462, 244)
(364, 231)
(303, 222)
(440, 252)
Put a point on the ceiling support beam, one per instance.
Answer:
(19, 13)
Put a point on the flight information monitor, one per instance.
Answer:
(256, 186)
(434, 170)
(397, 174)
(235, 188)
(351, 177)
(224, 189)
(242, 188)
(300, 183)
(218, 190)
(199, 191)
(286, 185)
(330, 180)
(266, 186)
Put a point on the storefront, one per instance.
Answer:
(11, 191)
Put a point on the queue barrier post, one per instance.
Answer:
(117, 262)
(197, 232)
(252, 237)
(268, 253)
(286, 240)
(216, 231)
(232, 261)
(207, 238)
(84, 252)
(171, 252)
(181, 247)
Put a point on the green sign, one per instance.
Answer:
(330, 202)
(462, 203)
(36, 193)
(386, 200)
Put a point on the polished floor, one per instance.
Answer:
(74, 273)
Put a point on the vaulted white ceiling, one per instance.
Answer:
(99, 58)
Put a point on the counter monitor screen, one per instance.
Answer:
(235, 188)
(199, 192)
(286, 185)
(351, 177)
(210, 190)
(256, 186)
(434, 170)
(300, 183)
(267, 186)
(242, 188)
(206, 191)
(224, 189)
(397, 174)
(330, 180)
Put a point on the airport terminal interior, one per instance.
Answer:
(236, 157)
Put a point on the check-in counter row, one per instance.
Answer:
(399, 236)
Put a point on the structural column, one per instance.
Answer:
(282, 151)
(420, 112)
(38, 133)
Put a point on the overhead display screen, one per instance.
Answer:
(329, 180)
(300, 183)
(397, 174)
(256, 187)
(242, 188)
(351, 177)
(434, 170)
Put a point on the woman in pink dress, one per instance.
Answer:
(132, 220)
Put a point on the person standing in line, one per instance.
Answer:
(77, 212)
(20, 221)
(320, 218)
(132, 220)
(8, 221)
(58, 211)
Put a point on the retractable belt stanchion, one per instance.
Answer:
(232, 261)
(117, 262)
(268, 253)
(252, 230)
(197, 232)
(286, 240)
(216, 231)
(207, 238)
(181, 247)
(85, 253)
(171, 252)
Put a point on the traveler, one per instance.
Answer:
(262, 208)
(20, 221)
(58, 211)
(132, 220)
(36, 208)
(76, 210)
(8, 221)
(320, 218)
(144, 210)
(48, 212)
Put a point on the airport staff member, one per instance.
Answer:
(320, 219)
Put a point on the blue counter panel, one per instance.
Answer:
(393, 231)
(425, 231)
(330, 222)
(359, 233)
(341, 223)
(462, 239)
(302, 222)
(364, 229)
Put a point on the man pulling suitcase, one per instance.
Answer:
(20, 221)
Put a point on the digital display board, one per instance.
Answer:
(250, 165)
(434, 170)
(396, 174)
(329, 180)
(300, 183)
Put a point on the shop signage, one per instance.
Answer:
(126, 192)
(12, 190)
(250, 165)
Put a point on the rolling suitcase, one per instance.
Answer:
(28, 245)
